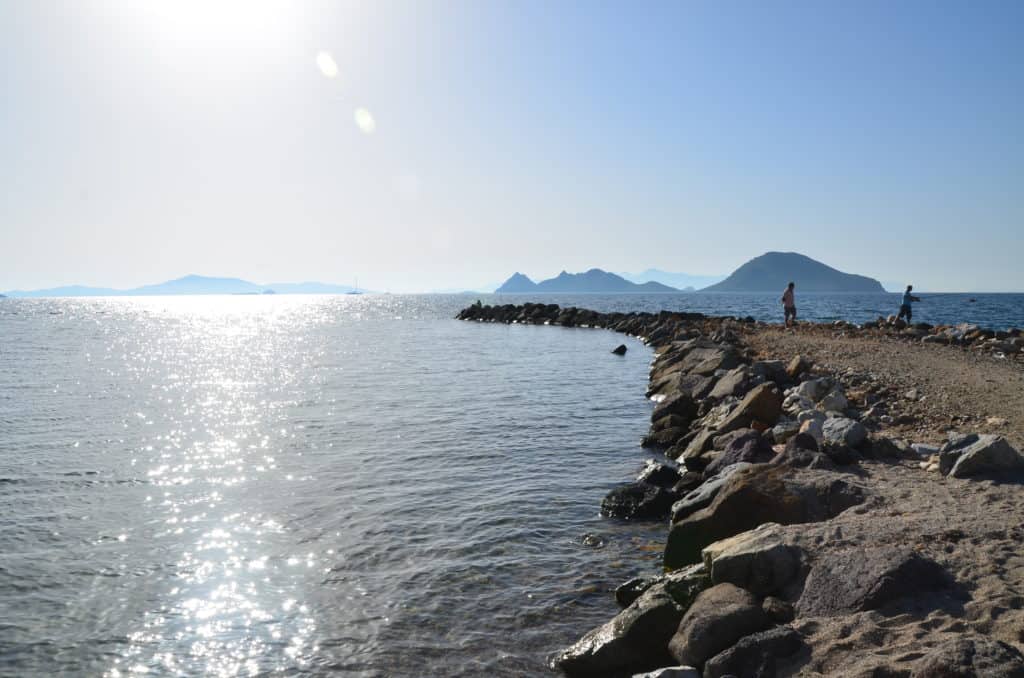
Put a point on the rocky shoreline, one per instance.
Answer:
(805, 536)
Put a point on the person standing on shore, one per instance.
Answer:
(908, 298)
(789, 304)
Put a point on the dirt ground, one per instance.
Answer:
(956, 389)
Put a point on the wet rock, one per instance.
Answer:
(628, 591)
(632, 642)
(686, 584)
(755, 655)
(671, 672)
(660, 474)
(666, 437)
(637, 501)
(718, 618)
(679, 404)
(966, 657)
(841, 582)
(704, 494)
(844, 431)
(671, 421)
(757, 560)
(755, 495)
(700, 444)
(763, 404)
(619, 350)
(752, 447)
(974, 454)
(688, 482)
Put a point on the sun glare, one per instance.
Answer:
(229, 21)
(325, 62)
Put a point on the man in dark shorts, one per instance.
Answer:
(789, 304)
(905, 310)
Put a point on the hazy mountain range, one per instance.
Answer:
(594, 281)
(190, 284)
(767, 273)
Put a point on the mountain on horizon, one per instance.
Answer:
(189, 284)
(772, 271)
(680, 281)
(594, 281)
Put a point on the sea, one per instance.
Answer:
(328, 485)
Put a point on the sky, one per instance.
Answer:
(420, 145)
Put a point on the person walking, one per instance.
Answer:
(905, 310)
(789, 304)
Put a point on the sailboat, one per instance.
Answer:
(356, 290)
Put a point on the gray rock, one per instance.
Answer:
(770, 370)
(680, 404)
(755, 655)
(686, 584)
(752, 448)
(634, 641)
(833, 401)
(778, 609)
(763, 404)
(813, 389)
(924, 450)
(671, 672)
(619, 350)
(718, 618)
(660, 474)
(757, 560)
(841, 582)
(700, 444)
(974, 454)
(844, 431)
(784, 430)
(966, 657)
(704, 494)
(637, 501)
(628, 591)
(734, 383)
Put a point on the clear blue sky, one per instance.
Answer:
(140, 141)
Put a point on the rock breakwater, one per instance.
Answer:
(803, 538)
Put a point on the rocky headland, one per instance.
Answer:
(840, 500)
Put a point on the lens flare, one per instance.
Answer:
(364, 121)
(325, 62)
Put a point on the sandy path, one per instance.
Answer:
(957, 389)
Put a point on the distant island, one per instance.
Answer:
(772, 271)
(191, 284)
(594, 281)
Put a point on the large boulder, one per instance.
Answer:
(758, 560)
(833, 401)
(634, 641)
(762, 405)
(719, 617)
(752, 448)
(753, 496)
(812, 389)
(637, 501)
(700, 444)
(841, 582)
(969, 656)
(755, 655)
(974, 454)
(665, 437)
(704, 494)
(844, 431)
(797, 366)
(770, 370)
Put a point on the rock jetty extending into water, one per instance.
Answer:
(807, 535)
